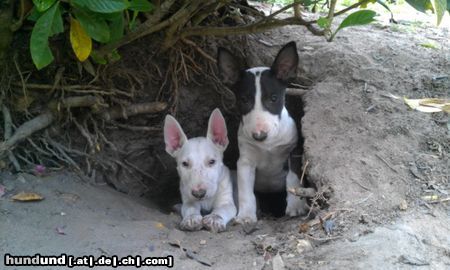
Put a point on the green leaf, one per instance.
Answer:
(308, 3)
(35, 14)
(43, 5)
(102, 6)
(116, 28)
(141, 5)
(440, 6)
(323, 22)
(381, 2)
(114, 56)
(132, 24)
(360, 17)
(364, 5)
(98, 59)
(420, 5)
(57, 25)
(110, 16)
(95, 26)
(40, 51)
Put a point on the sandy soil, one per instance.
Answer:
(375, 154)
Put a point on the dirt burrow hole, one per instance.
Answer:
(195, 124)
(196, 101)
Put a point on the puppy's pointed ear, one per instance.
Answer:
(228, 66)
(217, 130)
(174, 136)
(286, 62)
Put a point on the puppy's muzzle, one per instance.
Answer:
(199, 193)
(259, 136)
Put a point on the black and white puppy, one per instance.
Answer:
(267, 134)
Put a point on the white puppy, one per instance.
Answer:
(205, 183)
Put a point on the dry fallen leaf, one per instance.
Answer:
(27, 197)
(430, 197)
(428, 105)
(159, 225)
(304, 228)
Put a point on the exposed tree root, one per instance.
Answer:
(64, 104)
(25, 130)
(119, 112)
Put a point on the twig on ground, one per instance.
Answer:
(303, 192)
(387, 164)
(361, 185)
(322, 239)
(304, 172)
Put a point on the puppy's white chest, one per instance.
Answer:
(271, 170)
(270, 159)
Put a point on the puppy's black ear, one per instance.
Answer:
(286, 62)
(228, 66)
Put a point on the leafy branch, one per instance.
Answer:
(115, 23)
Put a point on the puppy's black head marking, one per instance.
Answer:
(245, 91)
(272, 81)
(272, 93)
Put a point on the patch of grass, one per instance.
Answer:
(429, 45)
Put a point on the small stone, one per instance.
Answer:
(303, 245)
(403, 205)
(308, 48)
(176, 237)
(202, 242)
(277, 262)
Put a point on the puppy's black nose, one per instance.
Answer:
(199, 194)
(261, 136)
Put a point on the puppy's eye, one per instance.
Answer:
(212, 162)
(185, 164)
(273, 98)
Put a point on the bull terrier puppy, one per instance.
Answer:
(205, 183)
(267, 134)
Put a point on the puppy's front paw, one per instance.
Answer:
(191, 223)
(295, 206)
(214, 223)
(245, 219)
(249, 223)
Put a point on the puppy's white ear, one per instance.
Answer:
(174, 136)
(286, 62)
(217, 130)
(228, 66)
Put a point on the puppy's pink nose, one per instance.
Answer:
(198, 193)
(259, 136)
